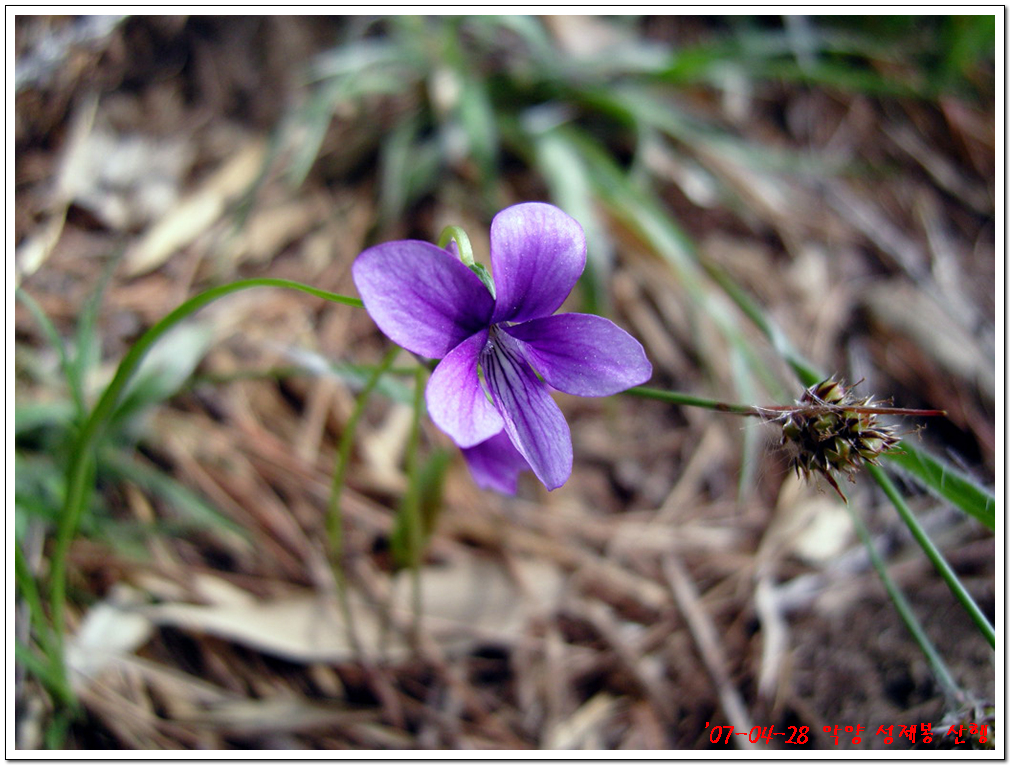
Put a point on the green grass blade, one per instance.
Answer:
(86, 343)
(312, 122)
(47, 414)
(189, 505)
(804, 370)
(415, 528)
(407, 546)
(945, 482)
(38, 490)
(934, 555)
(334, 516)
(311, 364)
(49, 330)
(744, 383)
(44, 671)
(644, 215)
(974, 502)
(843, 77)
(80, 481)
(954, 694)
(29, 588)
(410, 167)
(165, 370)
(334, 510)
(355, 376)
(570, 187)
(471, 113)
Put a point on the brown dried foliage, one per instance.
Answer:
(649, 597)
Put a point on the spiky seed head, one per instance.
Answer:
(829, 391)
(830, 432)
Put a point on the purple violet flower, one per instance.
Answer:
(500, 356)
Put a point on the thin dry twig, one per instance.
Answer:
(706, 640)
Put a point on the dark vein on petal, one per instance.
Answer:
(504, 373)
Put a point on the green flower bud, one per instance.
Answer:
(839, 453)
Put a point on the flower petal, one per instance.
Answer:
(420, 297)
(537, 254)
(496, 464)
(582, 354)
(533, 421)
(456, 401)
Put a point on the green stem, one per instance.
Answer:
(49, 671)
(334, 512)
(931, 551)
(456, 233)
(82, 462)
(954, 693)
(773, 412)
(412, 500)
(973, 500)
(684, 399)
(61, 349)
(52, 676)
(803, 369)
(945, 482)
(939, 562)
(33, 599)
(938, 478)
(59, 727)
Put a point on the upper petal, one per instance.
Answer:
(420, 297)
(533, 421)
(537, 254)
(456, 402)
(582, 354)
(496, 464)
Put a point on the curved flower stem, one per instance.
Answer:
(450, 233)
(334, 512)
(82, 462)
(465, 251)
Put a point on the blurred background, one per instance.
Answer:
(749, 186)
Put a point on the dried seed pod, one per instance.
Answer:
(830, 431)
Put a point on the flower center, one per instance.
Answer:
(499, 361)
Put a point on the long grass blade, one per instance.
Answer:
(934, 555)
(952, 691)
(334, 510)
(66, 365)
(190, 506)
(971, 499)
(929, 471)
(945, 482)
(51, 677)
(80, 474)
